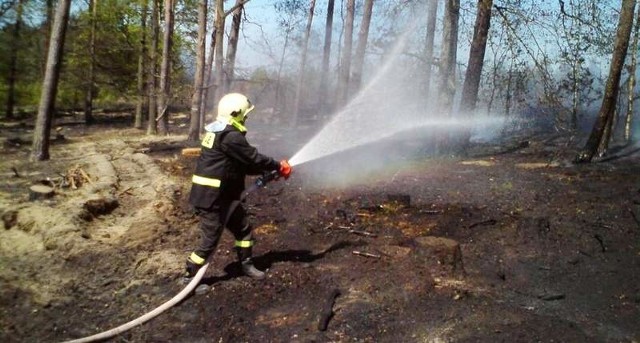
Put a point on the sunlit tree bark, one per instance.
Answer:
(142, 62)
(476, 57)
(219, 52)
(232, 46)
(196, 99)
(476, 62)
(345, 61)
(326, 57)
(303, 63)
(90, 86)
(47, 26)
(40, 148)
(164, 91)
(597, 143)
(152, 127)
(448, 55)
(363, 37)
(432, 13)
(631, 85)
(209, 74)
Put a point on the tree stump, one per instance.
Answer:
(37, 192)
(446, 252)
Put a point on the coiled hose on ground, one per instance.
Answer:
(260, 182)
(127, 326)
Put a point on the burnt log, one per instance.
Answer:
(327, 310)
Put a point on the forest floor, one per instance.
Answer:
(511, 245)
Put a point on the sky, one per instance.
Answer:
(261, 27)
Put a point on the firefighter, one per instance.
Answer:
(219, 180)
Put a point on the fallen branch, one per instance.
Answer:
(363, 233)
(635, 218)
(365, 254)
(430, 211)
(85, 175)
(484, 222)
(601, 241)
(76, 177)
(551, 297)
(126, 191)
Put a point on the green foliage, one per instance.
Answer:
(29, 48)
(118, 35)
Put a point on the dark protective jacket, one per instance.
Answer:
(226, 159)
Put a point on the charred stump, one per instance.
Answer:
(445, 251)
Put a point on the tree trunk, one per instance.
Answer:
(219, 52)
(447, 87)
(631, 86)
(345, 62)
(164, 92)
(326, 57)
(50, 9)
(152, 127)
(607, 109)
(88, 99)
(280, 66)
(575, 91)
(42, 132)
(206, 104)
(232, 46)
(363, 36)
(142, 62)
(196, 99)
(303, 63)
(432, 13)
(476, 57)
(449, 52)
(476, 62)
(13, 61)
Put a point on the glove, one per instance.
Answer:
(285, 169)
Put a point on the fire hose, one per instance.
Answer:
(260, 182)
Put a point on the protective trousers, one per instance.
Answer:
(212, 223)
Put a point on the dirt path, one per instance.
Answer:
(515, 247)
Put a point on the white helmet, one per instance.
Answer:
(233, 107)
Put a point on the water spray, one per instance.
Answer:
(392, 102)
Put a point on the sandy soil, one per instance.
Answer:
(516, 247)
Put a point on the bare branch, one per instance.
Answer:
(235, 7)
(576, 18)
(6, 6)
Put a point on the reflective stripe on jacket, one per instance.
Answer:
(226, 159)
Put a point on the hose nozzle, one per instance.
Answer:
(265, 178)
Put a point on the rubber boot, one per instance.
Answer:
(191, 269)
(244, 256)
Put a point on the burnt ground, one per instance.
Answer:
(513, 245)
